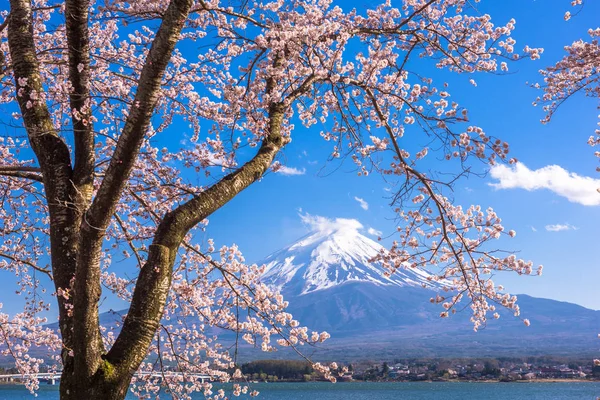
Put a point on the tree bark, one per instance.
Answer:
(53, 157)
(92, 374)
(79, 222)
(78, 40)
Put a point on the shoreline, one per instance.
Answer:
(542, 381)
(549, 380)
(538, 380)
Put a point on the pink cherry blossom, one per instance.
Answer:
(577, 72)
(138, 120)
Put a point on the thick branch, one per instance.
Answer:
(140, 113)
(76, 14)
(154, 279)
(18, 171)
(23, 175)
(51, 151)
(20, 168)
(145, 312)
(88, 345)
(177, 223)
(4, 23)
(149, 295)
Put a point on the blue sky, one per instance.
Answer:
(264, 218)
(551, 230)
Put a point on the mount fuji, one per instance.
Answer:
(326, 259)
(331, 284)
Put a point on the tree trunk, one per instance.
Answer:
(91, 372)
(104, 385)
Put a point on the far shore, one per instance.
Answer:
(537, 380)
(552, 380)
(342, 381)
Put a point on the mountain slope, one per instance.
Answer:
(331, 284)
(326, 259)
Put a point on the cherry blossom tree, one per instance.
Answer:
(577, 72)
(101, 93)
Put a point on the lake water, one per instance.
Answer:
(386, 391)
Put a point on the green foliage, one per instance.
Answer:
(278, 369)
(385, 369)
(491, 367)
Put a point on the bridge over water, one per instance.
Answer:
(53, 378)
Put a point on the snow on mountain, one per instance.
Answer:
(334, 254)
(332, 284)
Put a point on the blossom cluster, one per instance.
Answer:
(577, 72)
(237, 75)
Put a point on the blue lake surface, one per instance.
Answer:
(384, 391)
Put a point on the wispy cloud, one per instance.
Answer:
(317, 223)
(326, 225)
(533, 228)
(575, 188)
(363, 204)
(374, 232)
(560, 227)
(290, 171)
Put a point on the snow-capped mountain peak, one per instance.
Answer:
(332, 256)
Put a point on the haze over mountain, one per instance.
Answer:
(331, 284)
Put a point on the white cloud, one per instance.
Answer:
(327, 225)
(533, 228)
(560, 227)
(363, 204)
(289, 171)
(374, 232)
(576, 188)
